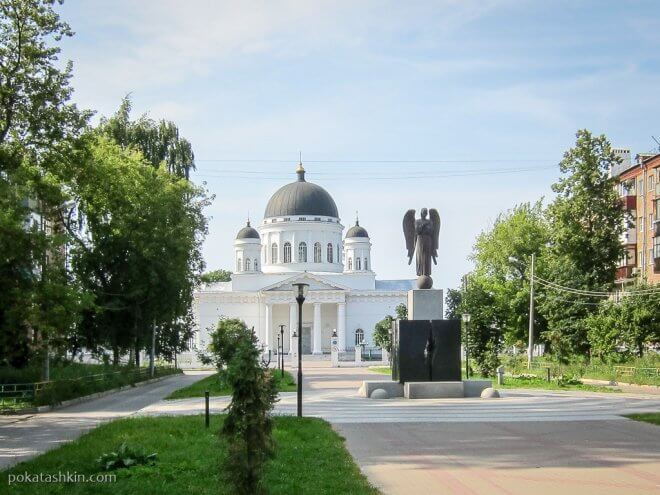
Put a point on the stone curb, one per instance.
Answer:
(86, 398)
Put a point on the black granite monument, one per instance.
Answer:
(426, 351)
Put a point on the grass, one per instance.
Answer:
(653, 418)
(216, 386)
(310, 458)
(513, 383)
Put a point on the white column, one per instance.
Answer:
(293, 326)
(317, 330)
(341, 325)
(269, 325)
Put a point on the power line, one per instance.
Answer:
(238, 174)
(589, 293)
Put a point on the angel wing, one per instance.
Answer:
(409, 233)
(434, 216)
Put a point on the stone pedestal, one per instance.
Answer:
(425, 304)
(358, 354)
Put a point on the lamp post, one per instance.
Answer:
(301, 293)
(278, 350)
(466, 320)
(282, 351)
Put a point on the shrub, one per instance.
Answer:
(247, 430)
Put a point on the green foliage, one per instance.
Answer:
(383, 333)
(247, 431)
(224, 341)
(587, 220)
(125, 457)
(39, 129)
(621, 329)
(159, 142)
(653, 418)
(401, 311)
(216, 276)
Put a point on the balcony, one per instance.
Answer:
(629, 202)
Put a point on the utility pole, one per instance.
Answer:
(530, 344)
(152, 354)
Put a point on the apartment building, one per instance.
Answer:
(639, 189)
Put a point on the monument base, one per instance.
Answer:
(426, 390)
(393, 389)
(425, 304)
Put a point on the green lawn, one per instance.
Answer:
(216, 386)
(310, 459)
(513, 383)
(653, 418)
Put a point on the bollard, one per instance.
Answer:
(547, 370)
(206, 399)
(500, 375)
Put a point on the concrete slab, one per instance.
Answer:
(433, 390)
(393, 389)
(473, 388)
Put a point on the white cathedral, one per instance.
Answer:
(301, 240)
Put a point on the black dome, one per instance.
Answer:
(357, 231)
(248, 232)
(301, 198)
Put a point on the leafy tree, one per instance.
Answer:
(159, 142)
(142, 253)
(502, 257)
(247, 429)
(483, 334)
(619, 329)
(224, 340)
(216, 276)
(453, 304)
(586, 221)
(39, 130)
(401, 311)
(383, 333)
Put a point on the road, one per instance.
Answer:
(25, 436)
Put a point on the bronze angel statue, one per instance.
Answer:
(422, 238)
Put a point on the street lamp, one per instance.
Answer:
(466, 320)
(282, 351)
(301, 292)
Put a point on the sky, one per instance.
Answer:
(464, 106)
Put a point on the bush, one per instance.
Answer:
(247, 430)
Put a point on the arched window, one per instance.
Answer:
(238, 265)
(358, 263)
(247, 265)
(350, 263)
(302, 252)
(256, 265)
(287, 252)
(359, 336)
(273, 252)
(329, 254)
(339, 255)
(366, 264)
(317, 252)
